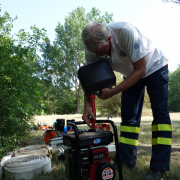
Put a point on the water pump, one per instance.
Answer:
(87, 156)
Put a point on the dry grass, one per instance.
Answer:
(50, 119)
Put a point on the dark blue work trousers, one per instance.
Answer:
(131, 110)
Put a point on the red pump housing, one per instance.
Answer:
(97, 156)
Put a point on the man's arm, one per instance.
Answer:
(88, 114)
(134, 77)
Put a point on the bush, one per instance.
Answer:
(174, 89)
(18, 85)
(110, 106)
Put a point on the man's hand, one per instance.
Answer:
(106, 93)
(88, 115)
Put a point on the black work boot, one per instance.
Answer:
(156, 174)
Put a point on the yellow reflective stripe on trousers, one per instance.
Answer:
(161, 127)
(161, 140)
(129, 141)
(129, 129)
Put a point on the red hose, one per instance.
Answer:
(92, 98)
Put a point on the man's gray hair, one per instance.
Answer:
(94, 35)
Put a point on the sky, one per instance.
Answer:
(157, 20)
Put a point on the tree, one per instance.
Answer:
(174, 1)
(174, 91)
(63, 59)
(18, 85)
(112, 105)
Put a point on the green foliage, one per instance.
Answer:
(113, 104)
(174, 1)
(66, 103)
(110, 106)
(63, 59)
(18, 85)
(59, 101)
(55, 99)
(174, 90)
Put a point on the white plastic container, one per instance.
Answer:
(56, 142)
(112, 151)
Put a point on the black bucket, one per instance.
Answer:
(96, 76)
(60, 124)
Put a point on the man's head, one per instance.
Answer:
(95, 37)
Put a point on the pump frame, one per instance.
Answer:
(77, 149)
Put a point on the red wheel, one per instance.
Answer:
(49, 134)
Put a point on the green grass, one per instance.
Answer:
(143, 157)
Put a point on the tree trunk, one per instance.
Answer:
(78, 109)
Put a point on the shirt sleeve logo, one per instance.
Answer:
(122, 53)
(136, 46)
